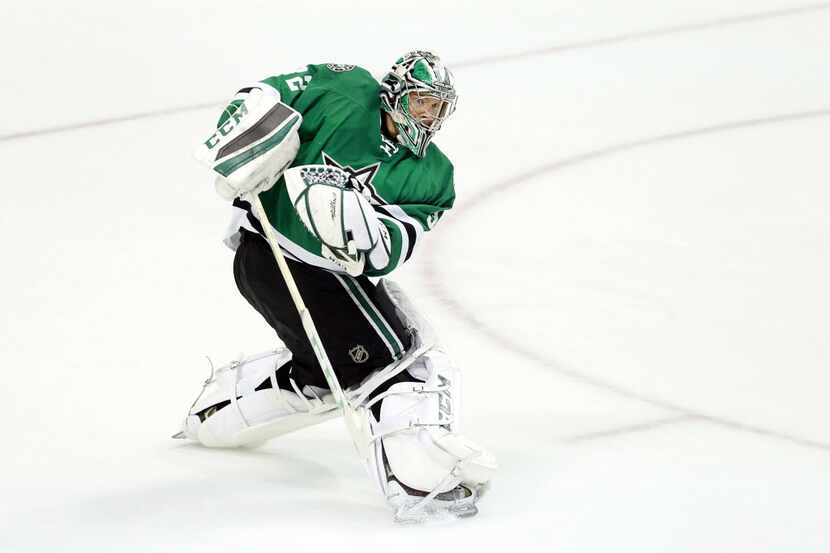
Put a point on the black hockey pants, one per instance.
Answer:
(354, 318)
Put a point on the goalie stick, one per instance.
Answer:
(305, 316)
(354, 422)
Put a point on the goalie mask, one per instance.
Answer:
(419, 94)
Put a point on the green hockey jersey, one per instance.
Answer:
(341, 126)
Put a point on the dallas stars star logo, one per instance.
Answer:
(361, 178)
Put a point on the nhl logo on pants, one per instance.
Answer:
(359, 354)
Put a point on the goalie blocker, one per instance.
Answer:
(254, 144)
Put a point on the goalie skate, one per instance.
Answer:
(415, 506)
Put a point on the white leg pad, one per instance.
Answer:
(417, 441)
(253, 416)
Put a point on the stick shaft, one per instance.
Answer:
(305, 316)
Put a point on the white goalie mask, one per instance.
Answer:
(419, 94)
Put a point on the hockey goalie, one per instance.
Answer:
(339, 172)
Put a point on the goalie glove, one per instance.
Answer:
(339, 216)
(251, 148)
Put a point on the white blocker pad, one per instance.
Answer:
(254, 145)
(230, 412)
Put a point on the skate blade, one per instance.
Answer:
(434, 515)
(179, 436)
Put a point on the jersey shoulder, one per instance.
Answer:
(438, 160)
(435, 179)
(327, 82)
(350, 81)
(438, 164)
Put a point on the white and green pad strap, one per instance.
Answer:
(252, 147)
(339, 216)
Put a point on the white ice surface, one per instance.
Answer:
(634, 277)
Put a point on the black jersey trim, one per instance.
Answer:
(411, 234)
(245, 205)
